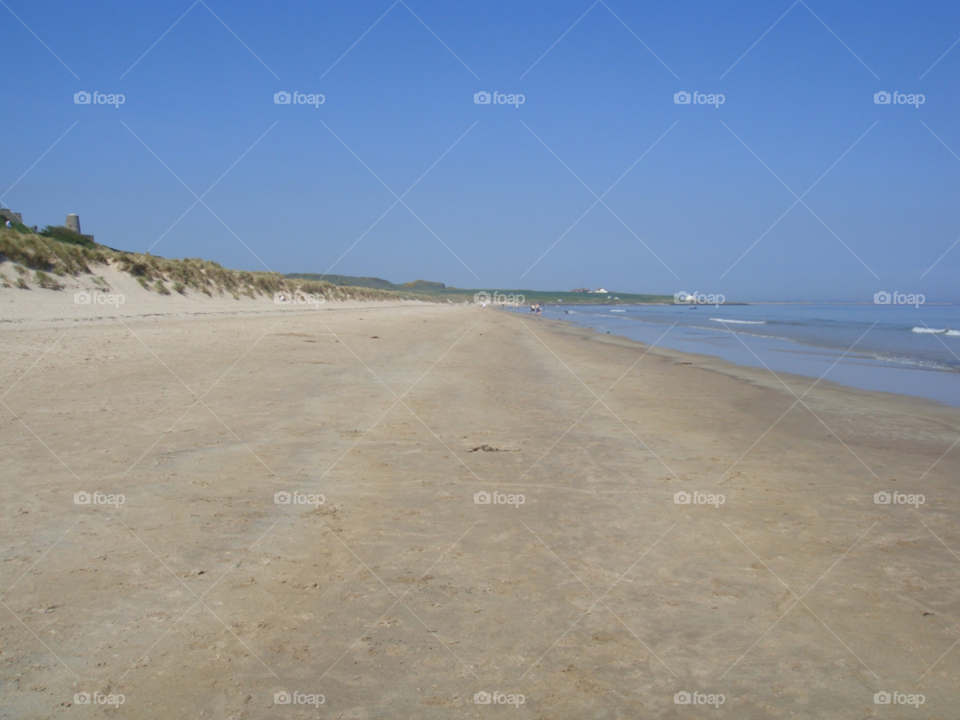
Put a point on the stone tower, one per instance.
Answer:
(73, 223)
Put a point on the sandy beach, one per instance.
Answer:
(582, 589)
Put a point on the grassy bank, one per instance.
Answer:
(442, 293)
(556, 298)
(29, 259)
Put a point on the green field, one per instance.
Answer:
(459, 295)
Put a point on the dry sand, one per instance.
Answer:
(401, 597)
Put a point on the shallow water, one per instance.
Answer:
(902, 349)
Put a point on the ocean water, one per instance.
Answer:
(902, 349)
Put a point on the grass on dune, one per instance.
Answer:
(61, 252)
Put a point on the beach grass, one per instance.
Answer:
(58, 251)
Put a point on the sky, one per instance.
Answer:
(799, 186)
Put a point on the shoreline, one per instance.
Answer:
(865, 368)
(761, 377)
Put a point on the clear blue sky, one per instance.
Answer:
(602, 97)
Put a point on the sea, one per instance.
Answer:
(892, 348)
